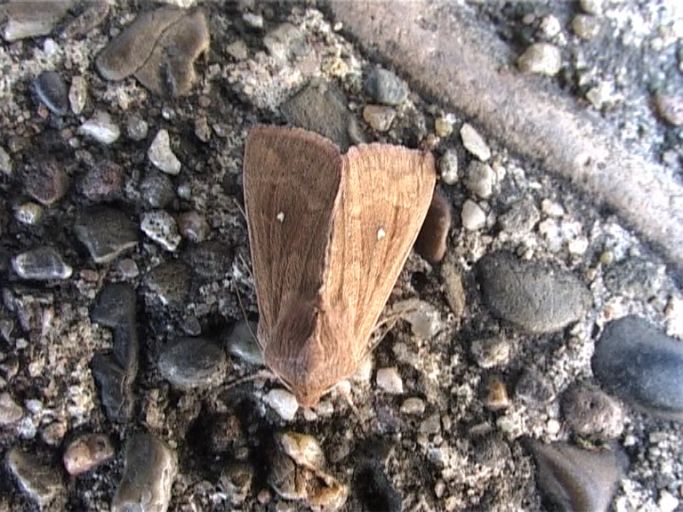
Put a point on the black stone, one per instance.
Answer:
(106, 233)
(114, 386)
(157, 190)
(375, 490)
(192, 363)
(170, 281)
(115, 308)
(52, 91)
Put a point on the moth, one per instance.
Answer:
(329, 234)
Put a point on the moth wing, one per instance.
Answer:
(385, 194)
(291, 179)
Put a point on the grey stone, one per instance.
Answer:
(448, 167)
(31, 19)
(210, 260)
(236, 481)
(41, 264)
(379, 117)
(103, 181)
(536, 297)
(29, 213)
(170, 281)
(634, 278)
(5, 162)
(641, 365)
(106, 233)
(385, 87)
(93, 13)
(51, 90)
(241, 343)
(521, 216)
(157, 190)
(78, 94)
(193, 226)
(286, 42)
(47, 182)
(473, 217)
(480, 179)
(586, 26)
(490, 352)
(189, 363)
(474, 143)
(136, 127)
(40, 481)
(150, 467)
(10, 411)
(541, 58)
(101, 128)
(590, 412)
(161, 227)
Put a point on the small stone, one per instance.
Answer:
(87, 452)
(47, 183)
(480, 179)
(473, 218)
(385, 87)
(106, 233)
(641, 365)
(495, 394)
(202, 129)
(635, 278)
(585, 26)
(236, 481)
(25, 20)
(443, 126)
(431, 242)
(189, 363)
(210, 260)
(114, 386)
(670, 108)
(536, 297)
(103, 181)
(413, 406)
(282, 402)
(93, 13)
(593, 6)
(193, 226)
(541, 58)
(521, 217)
(5, 162)
(474, 142)
(490, 352)
(170, 282)
(238, 50)
(137, 128)
(448, 167)
(29, 213)
(602, 94)
(241, 343)
(157, 190)
(41, 482)
(379, 117)
(161, 227)
(78, 93)
(150, 467)
(10, 411)
(286, 42)
(303, 449)
(590, 412)
(551, 208)
(101, 128)
(667, 502)
(51, 90)
(128, 269)
(41, 264)
(161, 154)
(424, 319)
(533, 388)
(253, 20)
(455, 291)
(550, 26)
(390, 380)
(431, 425)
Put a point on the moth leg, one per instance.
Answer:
(343, 389)
(258, 375)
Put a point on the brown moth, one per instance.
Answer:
(329, 234)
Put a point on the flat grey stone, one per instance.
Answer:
(385, 87)
(106, 233)
(192, 363)
(31, 19)
(41, 264)
(47, 182)
(42, 482)
(51, 90)
(157, 190)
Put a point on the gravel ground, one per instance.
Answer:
(536, 363)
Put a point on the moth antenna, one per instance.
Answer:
(246, 266)
(239, 207)
(259, 375)
(244, 314)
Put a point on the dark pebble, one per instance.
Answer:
(103, 182)
(385, 87)
(634, 278)
(375, 490)
(431, 242)
(157, 190)
(106, 233)
(41, 264)
(192, 363)
(533, 388)
(492, 451)
(193, 226)
(537, 297)
(641, 365)
(114, 387)
(241, 343)
(52, 91)
(592, 413)
(236, 480)
(210, 260)
(42, 482)
(47, 183)
(170, 281)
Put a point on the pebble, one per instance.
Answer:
(51, 90)
(667, 502)
(379, 117)
(533, 388)
(537, 297)
(238, 50)
(29, 213)
(103, 181)
(161, 154)
(5, 162)
(432, 240)
(413, 406)
(443, 126)
(128, 269)
(593, 6)
(374, 488)
(24, 20)
(253, 20)
(170, 282)
(635, 278)
(42, 482)
(157, 190)
(210, 260)
(106, 233)
(431, 425)
(641, 365)
(78, 94)
(576, 479)
(448, 167)
(150, 467)
(190, 363)
(193, 226)
(282, 402)
(480, 179)
(590, 412)
(454, 289)
(161, 227)
(101, 128)
(521, 217)
(41, 264)
(137, 128)
(286, 42)
(389, 379)
(10, 411)
(541, 58)
(474, 142)
(585, 26)
(550, 26)
(495, 394)
(47, 183)
(490, 352)
(114, 387)
(86, 452)
(202, 129)
(670, 108)
(236, 481)
(385, 87)
(473, 217)
(424, 319)
(551, 208)
(241, 343)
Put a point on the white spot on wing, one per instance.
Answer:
(280, 217)
(381, 233)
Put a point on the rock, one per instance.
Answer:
(282, 402)
(24, 20)
(303, 449)
(193, 226)
(321, 107)
(189, 363)
(541, 58)
(47, 183)
(161, 227)
(480, 179)
(590, 412)
(161, 154)
(641, 365)
(385, 87)
(576, 479)
(86, 452)
(150, 467)
(5, 162)
(78, 92)
(667, 502)
(585, 26)
(670, 108)
(159, 48)
(495, 395)
(137, 128)
(106, 233)
(41, 482)
(474, 142)
(413, 406)
(635, 278)
(492, 452)
(238, 50)
(101, 128)
(424, 319)
(170, 282)
(157, 190)
(51, 90)
(593, 6)
(389, 379)
(448, 167)
(443, 126)
(29, 213)
(286, 42)
(521, 217)
(473, 217)
(533, 389)
(241, 343)
(103, 181)
(41, 264)
(374, 488)
(536, 297)
(210, 260)
(113, 383)
(490, 352)
(455, 291)
(202, 129)
(10, 411)
(431, 242)
(93, 13)
(379, 117)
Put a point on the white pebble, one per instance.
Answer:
(480, 179)
(78, 93)
(472, 216)
(474, 142)
(578, 246)
(161, 227)
(161, 155)
(282, 402)
(390, 380)
(448, 167)
(541, 58)
(551, 208)
(101, 128)
(413, 406)
(667, 502)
